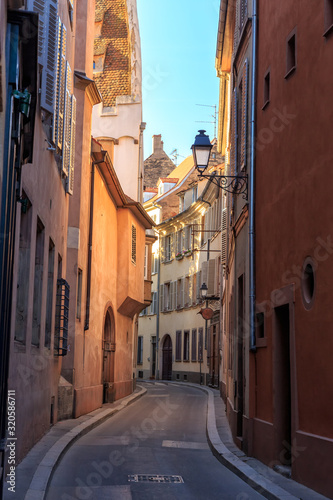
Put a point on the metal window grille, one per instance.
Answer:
(133, 244)
(61, 318)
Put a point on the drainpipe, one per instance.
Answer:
(252, 180)
(91, 222)
(140, 162)
(158, 308)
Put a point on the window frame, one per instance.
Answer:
(291, 53)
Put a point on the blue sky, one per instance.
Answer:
(178, 44)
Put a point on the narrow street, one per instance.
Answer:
(155, 448)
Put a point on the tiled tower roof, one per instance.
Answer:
(157, 165)
(114, 42)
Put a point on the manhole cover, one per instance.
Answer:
(154, 478)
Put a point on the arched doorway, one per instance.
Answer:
(167, 358)
(109, 348)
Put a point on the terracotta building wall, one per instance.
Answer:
(293, 221)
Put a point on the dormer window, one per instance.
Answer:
(181, 203)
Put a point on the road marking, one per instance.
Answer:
(185, 445)
(110, 441)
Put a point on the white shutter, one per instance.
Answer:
(162, 247)
(66, 143)
(51, 52)
(70, 178)
(224, 248)
(182, 291)
(174, 296)
(172, 246)
(39, 6)
(217, 276)
(58, 121)
(211, 277)
(190, 290)
(198, 297)
(162, 298)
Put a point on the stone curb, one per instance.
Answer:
(260, 484)
(42, 477)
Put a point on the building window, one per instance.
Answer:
(181, 203)
(195, 193)
(178, 345)
(267, 88)
(200, 345)
(61, 319)
(308, 283)
(194, 345)
(38, 283)
(23, 272)
(291, 54)
(49, 296)
(140, 350)
(145, 271)
(186, 354)
(168, 247)
(133, 244)
(260, 325)
(180, 293)
(328, 17)
(79, 294)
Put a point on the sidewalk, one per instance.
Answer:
(34, 472)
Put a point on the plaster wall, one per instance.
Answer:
(293, 192)
(34, 370)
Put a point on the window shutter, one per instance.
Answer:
(244, 113)
(174, 295)
(211, 277)
(233, 140)
(224, 249)
(172, 246)
(190, 290)
(133, 250)
(58, 119)
(162, 298)
(182, 291)
(162, 249)
(198, 285)
(70, 179)
(194, 345)
(39, 6)
(217, 276)
(51, 47)
(67, 121)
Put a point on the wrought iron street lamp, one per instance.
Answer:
(236, 184)
(204, 290)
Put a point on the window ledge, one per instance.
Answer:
(328, 31)
(261, 342)
(290, 72)
(266, 104)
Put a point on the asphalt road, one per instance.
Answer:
(154, 449)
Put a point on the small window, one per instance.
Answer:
(186, 345)
(260, 325)
(140, 350)
(267, 88)
(328, 17)
(308, 283)
(133, 244)
(291, 54)
(178, 345)
(195, 193)
(79, 294)
(181, 203)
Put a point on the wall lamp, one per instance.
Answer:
(204, 291)
(237, 184)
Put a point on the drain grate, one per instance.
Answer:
(154, 478)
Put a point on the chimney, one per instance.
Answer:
(157, 144)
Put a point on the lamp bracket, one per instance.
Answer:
(235, 184)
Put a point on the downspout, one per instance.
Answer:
(158, 307)
(140, 163)
(252, 180)
(91, 222)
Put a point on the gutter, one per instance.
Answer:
(252, 297)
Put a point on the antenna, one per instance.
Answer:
(214, 116)
(174, 156)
